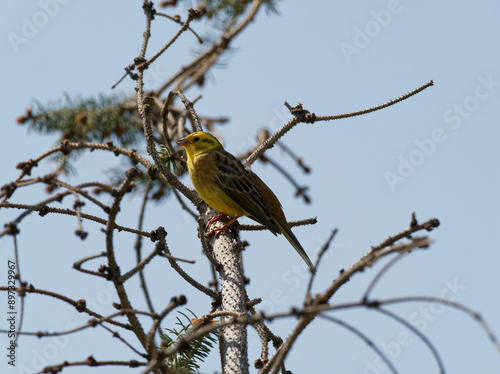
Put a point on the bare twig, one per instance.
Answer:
(191, 15)
(41, 207)
(91, 362)
(138, 248)
(323, 250)
(422, 337)
(304, 117)
(113, 269)
(378, 107)
(363, 337)
(300, 191)
(211, 55)
(175, 19)
(139, 266)
(78, 265)
(382, 271)
(183, 274)
(79, 305)
(302, 222)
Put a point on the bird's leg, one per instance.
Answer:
(216, 218)
(223, 228)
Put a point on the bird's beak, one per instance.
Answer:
(182, 141)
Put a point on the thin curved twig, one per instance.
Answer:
(77, 265)
(378, 107)
(363, 337)
(183, 274)
(191, 15)
(316, 309)
(475, 315)
(200, 40)
(140, 266)
(269, 142)
(379, 275)
(300, 191)
(323, 250)
(422, 337)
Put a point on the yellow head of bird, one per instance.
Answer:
(199, 142)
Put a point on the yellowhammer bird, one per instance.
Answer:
(224, 183)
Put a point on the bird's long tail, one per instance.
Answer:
(287, 232)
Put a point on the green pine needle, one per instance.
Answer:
(169, 160)
(188, 360)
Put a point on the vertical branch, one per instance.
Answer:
(147, 6)
(138, 249)
(234, 354)
(113, 269)
(277, 360)
(233, 337)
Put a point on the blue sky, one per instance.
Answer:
(436, 154)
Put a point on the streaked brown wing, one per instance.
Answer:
(240, 185)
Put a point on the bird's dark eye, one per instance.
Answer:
(195, 139)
